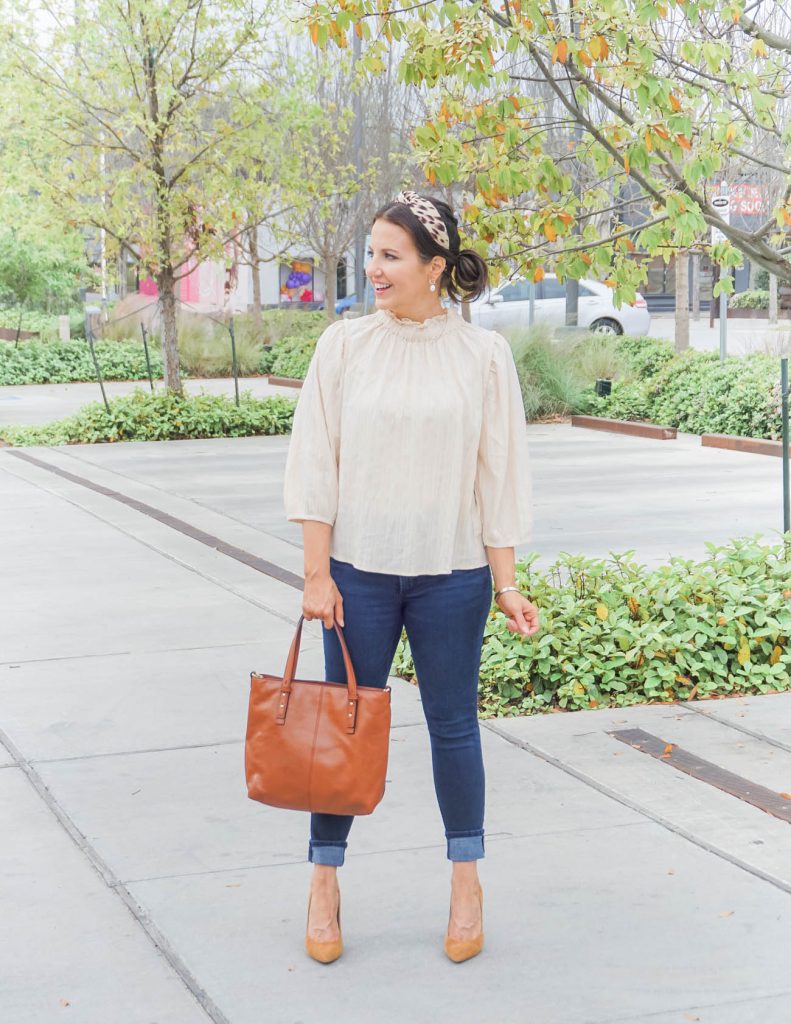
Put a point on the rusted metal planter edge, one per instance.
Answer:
(635, 428)
(753, 445)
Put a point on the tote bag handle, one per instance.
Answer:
(293, 657)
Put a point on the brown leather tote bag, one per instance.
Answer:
(314, 745)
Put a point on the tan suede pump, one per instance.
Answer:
(463, 949)
(325, 952)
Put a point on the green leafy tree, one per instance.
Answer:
(590, 130)
(346, 175)
(34, 273)
(138, 120)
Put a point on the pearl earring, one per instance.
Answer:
(433, 287)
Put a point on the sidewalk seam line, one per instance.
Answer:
(627, 802)
(172, 494)
(114, 884)
(166, 554)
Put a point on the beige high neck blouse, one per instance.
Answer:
(410, 440)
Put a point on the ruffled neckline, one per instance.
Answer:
(417, 330)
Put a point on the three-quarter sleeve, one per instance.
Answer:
(502, 480)
(310, 489)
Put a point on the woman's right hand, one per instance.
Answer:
(321, 599)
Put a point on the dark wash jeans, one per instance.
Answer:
(444, 617)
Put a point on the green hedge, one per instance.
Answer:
(615, 633)
(695, 392)
(44, 323)
(163, 416)
(204, 346)
(57, 362)
(755, 299)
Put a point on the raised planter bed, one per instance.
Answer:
(286, 382)
(748, 314)
(754, 445)
(9, 334)
(633, 427)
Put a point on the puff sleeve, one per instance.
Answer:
(310, 488)
(502, 480)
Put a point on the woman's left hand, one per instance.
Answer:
(521, 614)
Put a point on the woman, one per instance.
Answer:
(407, 468)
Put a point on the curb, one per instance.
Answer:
(753, 445)
(625, 427)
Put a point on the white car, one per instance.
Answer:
(507, 306)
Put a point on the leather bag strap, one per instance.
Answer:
(293, 658)
(291, 668)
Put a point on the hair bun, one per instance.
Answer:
(471, 274)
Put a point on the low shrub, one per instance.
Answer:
(699, 394)
(644, 357)
(755, 299)
(615, 633)
(45, 324)
(695, 392)
(163, 416)
(290, 357)
(58, 362)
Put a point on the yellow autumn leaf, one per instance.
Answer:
(538, 274)
(314, 33)
(598, 47)
(585, 57)
(730, 133)
(721, 620)
(602, 611)
(744, 653)
(675, 102)
(550, 232)
(648, 143)
(683, 141)
(774, 657)
(626, 164)
(561, 52)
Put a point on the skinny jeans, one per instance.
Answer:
(444, 617)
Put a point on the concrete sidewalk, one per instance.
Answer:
(139, 885)
(42, 403)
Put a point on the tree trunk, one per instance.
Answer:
(696, 286)
(772, 299)
(255, 270)
(170, 353)
(682, 301)
(331, 286)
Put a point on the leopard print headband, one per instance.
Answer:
(426, 212)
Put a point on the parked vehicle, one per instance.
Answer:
(508, 306)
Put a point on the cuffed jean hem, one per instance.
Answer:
(465, 847)
(321, 851)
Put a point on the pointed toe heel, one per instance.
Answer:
(324, 952)
(459, 950)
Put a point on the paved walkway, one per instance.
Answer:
(42, 403)
(139, 885)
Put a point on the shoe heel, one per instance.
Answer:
(459, 950)
(324, 952)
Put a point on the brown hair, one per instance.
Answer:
(466, 275)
